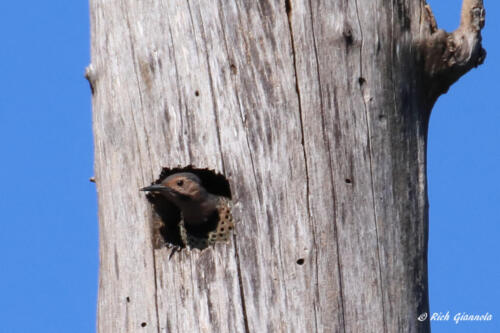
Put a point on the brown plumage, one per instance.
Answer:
(205, 218)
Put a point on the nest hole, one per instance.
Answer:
(166, 225)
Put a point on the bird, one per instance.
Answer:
(205, 217)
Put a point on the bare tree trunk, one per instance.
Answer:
(317, 113)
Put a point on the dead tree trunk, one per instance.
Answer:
(317, 113)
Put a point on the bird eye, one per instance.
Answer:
(180, 182)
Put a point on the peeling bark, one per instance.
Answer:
(448, 56)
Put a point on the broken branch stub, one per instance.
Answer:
(448, 56)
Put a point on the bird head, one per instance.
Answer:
(181, 188)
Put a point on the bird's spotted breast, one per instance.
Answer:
(221, 233)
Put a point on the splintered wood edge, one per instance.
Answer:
(448, 56)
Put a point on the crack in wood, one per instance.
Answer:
(362, 81)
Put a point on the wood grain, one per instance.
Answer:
(313, 111)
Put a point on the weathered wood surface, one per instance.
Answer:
(314, 112)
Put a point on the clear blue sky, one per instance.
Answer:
(48, 229)
(464, 186)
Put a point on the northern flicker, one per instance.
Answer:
(205, 217)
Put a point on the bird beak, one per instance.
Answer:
(156, 188)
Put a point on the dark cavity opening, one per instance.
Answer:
(348, 181)
(300, 261)
(166, 220)
(143, 324)
(197, 93)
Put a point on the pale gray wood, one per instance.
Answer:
(317, 113)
